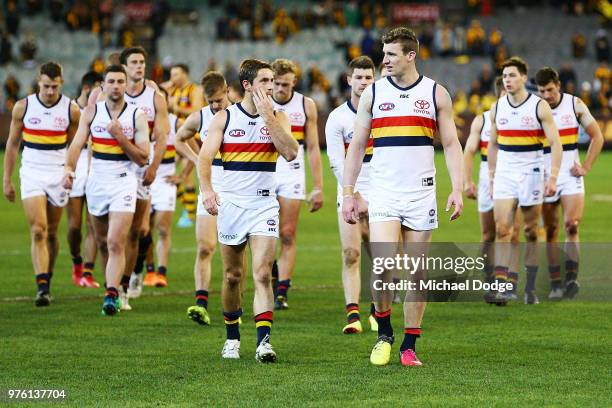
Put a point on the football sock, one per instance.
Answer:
(202, 298)
(143, 247)
(555, 276)
(88, 269)
(410, 336)
(42, 280)
(384, 323)
(352, 312)
(501, 274)
(513, 279)
(283, 287)
(112, 292)
(77, 260)
(571, 270)
(532, 272)
(232, 325)
(125, 283)
(263, 323)
(161, 270)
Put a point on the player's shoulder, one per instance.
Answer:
(341, 110)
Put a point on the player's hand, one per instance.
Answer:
(578, 171)
(349, 210)
(362, 205)
(315, 200)
(149, 176)
(211, 202)
(469, 188)
(550, 187)
(9, 191)
(174, 179)
(262, 102)
(115, 129)
(68, 180)
(455, 199)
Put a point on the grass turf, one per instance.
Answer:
(552, 354)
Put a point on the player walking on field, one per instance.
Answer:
(250, 135)
(568, 112)
(46, 122)
(402, 112)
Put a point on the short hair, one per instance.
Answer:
(212, 82)
(114, 68)
(403, 35)
(182, 66)
(51, 69)
(90, 78)
(545, 76)
(236, 86)
(361, 62)
(249, 69)
(282, 66)
(125, 54)
(114, 58)
(499, 85)
(517, 62)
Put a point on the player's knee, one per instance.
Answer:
(552, 231)
(232, 276)
(488, 236)
(287, 236)
(205, 250)
(39, 232)
(531, 233)
(263, 277)
(350, 256)
(115, 246)
(102, 247)
(503, 231)
(163, 233)
(571, 227)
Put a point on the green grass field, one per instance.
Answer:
(552, 354)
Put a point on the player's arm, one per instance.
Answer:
(161, 128)
(278, 125)
(556, 150)
(12, 148)
(138, 152)
(78, 142)
(471, 148)
(186, 132)
(335, 146)
(96, 95)
(212, 144)
(493, 147)
(588, 122)
(75, 115)
(311, 138)
(452, 150)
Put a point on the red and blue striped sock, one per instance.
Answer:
(263, 324)
(232, 325)
(283, 287)
(43, 281)
(352, 312)
(202, 298)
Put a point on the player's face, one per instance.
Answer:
(264, 80)
(135, 67)
(218, 100)
(283, 86)
(551, 93)
(114, 85)
(513, 80)
(360, 79)
(49, 89)
(396, 62)
(178, 76)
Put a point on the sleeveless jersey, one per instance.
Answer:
(567, 123)
(183, 97)
(145, 100)
(45, 131)
(206, 116)
(107, 154)
(249, 159)
(519, 135)
(485, 134)
(403, 128)
(339, 133)
(167, 166)
(295, 110)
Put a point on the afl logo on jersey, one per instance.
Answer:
(387, 106)
(34, 121)
(503, 121)
(237, 133)
(264, 131)
(99, 129)
(60, 122)
(527, 121)
(421, 104)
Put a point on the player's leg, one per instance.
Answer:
(487, 246)
(531, 218)
(36, 213)
(233, 257)
(550, 217)
(515, 255)
(350, 239)
(90, 252)
(74, 211)
(136, 226)
(118, 230)
(289, 216)
(206, 237)
(365, 238)
(262, 253)
(573, 207)
(384, 237)
(54, 215)
(163, 222)
(99, 225)
(504, 212)
(416, 243)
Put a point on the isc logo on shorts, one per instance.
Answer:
(427, 181)
(263, 193)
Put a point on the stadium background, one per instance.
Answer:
(552, 354)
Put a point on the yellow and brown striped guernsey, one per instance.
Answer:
(183, 98)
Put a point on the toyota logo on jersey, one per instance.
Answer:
(421, 104)
(237, 133)
(386, 106)
(60, 122)
(264, 131)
